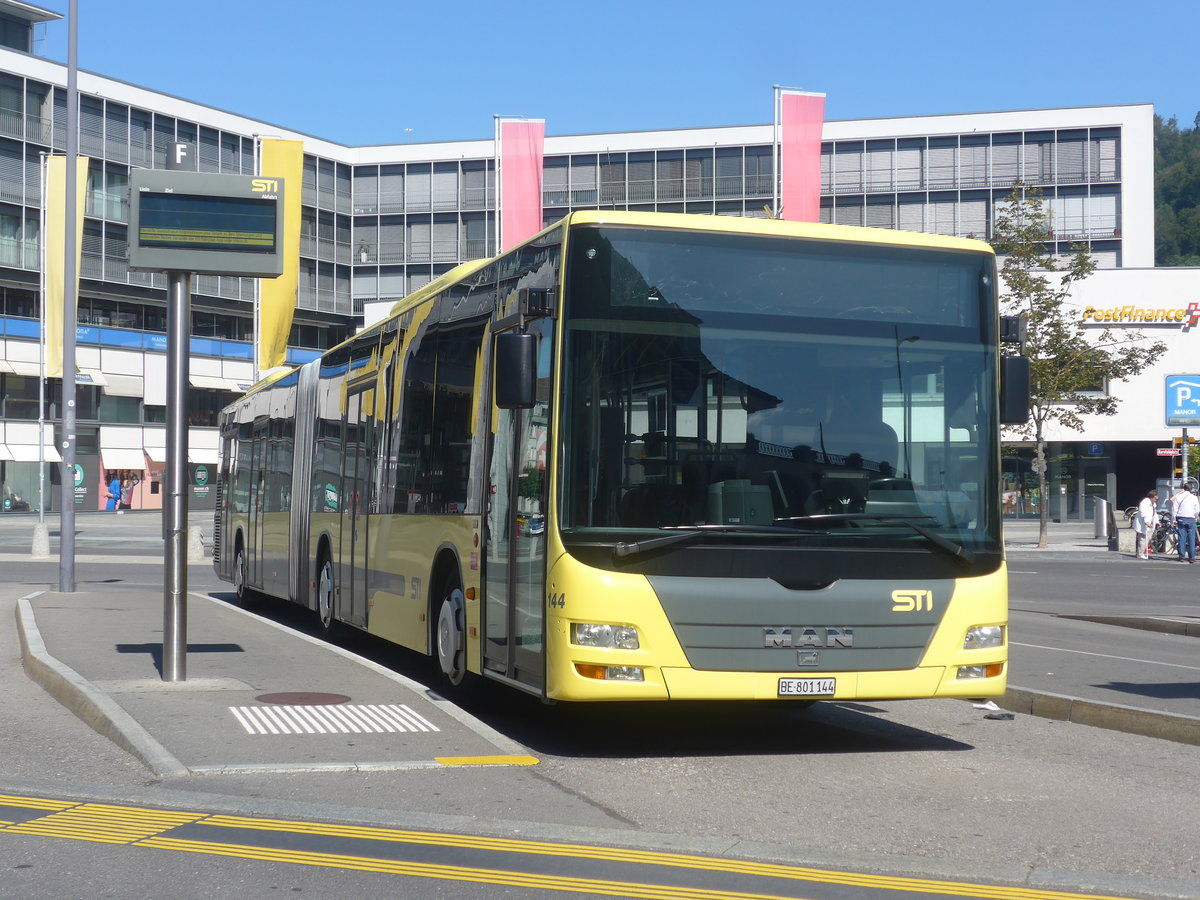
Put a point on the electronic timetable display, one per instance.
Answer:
(206, 223)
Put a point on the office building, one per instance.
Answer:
(380, 221)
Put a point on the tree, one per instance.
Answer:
(1070, 366)
(1176, 193)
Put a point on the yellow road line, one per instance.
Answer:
(458, 873)
(144, 828)
(34, 802)
(647, 857)
(104, 824)
(487, 760)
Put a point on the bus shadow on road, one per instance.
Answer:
(617, 730)
(1159, 691)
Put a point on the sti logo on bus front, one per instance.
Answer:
(912, 601)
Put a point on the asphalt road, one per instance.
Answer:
(934, 788)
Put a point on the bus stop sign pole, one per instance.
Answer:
(183, 222)
(175, 510)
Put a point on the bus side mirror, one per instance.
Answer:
(1014, 390)
(516, 370)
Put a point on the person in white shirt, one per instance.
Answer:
(1145, 523)
(1186, 508)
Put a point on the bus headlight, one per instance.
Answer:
(617, 637)
(983, 636)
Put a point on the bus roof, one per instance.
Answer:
(779, 227)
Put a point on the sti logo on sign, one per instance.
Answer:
(1183, 400)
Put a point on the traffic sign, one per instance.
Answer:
(1183, 400)
(1169, 451)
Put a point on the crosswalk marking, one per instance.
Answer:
(332, 719)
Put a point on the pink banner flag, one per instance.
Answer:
(520, 167)
(802, 116)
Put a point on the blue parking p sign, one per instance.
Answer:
(1183, 400)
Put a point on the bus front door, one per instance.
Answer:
(516, 539)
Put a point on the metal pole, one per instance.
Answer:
(1184, 448)
(66, 544)
(41, 535)
(257, 283)
(775, 158)
(175, 508)
(496, 180)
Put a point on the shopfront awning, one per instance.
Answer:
(31, 369)
(91, 376)
(217, 383)
(154, 441)
(29, 453)
(123, 385)
(123, 458)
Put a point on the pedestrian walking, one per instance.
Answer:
(1145, 522)
(1186, 508)
(113, 493)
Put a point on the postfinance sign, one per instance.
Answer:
(1185, 317)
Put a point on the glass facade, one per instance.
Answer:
(375, 231)
(378, 231)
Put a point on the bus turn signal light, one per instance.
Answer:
(610, 673)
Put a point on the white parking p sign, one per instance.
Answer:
(1183, 400)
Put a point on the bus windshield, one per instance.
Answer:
(817, 392)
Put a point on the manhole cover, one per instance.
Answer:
(303, 698)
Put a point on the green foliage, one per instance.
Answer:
(1069, 366)
(1176, 193)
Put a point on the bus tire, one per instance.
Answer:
(330, 627)
(450, 632)
(245, 596)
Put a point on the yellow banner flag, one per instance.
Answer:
(56, 253)
(277, 296)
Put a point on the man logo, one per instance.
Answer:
(912, 601)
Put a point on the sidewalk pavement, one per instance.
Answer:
(257, 697)
(100, 654)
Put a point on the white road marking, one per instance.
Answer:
(351, 719)
(1150, 662)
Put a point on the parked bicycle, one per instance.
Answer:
(1164, 539)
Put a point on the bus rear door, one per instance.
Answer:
(356, 470)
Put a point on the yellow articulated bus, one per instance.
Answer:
(650, 456)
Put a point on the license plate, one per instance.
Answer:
(807, 687)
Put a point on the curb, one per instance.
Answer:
(1162, 624)
(80, 696)
(1113, 716)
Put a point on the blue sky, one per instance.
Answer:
(381, 71)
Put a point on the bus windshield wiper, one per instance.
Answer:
(943, 543)
(680, 534)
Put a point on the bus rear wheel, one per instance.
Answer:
(244, 594)
(449, 635)
(326, 594)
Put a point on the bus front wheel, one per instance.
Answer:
(450, 637)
